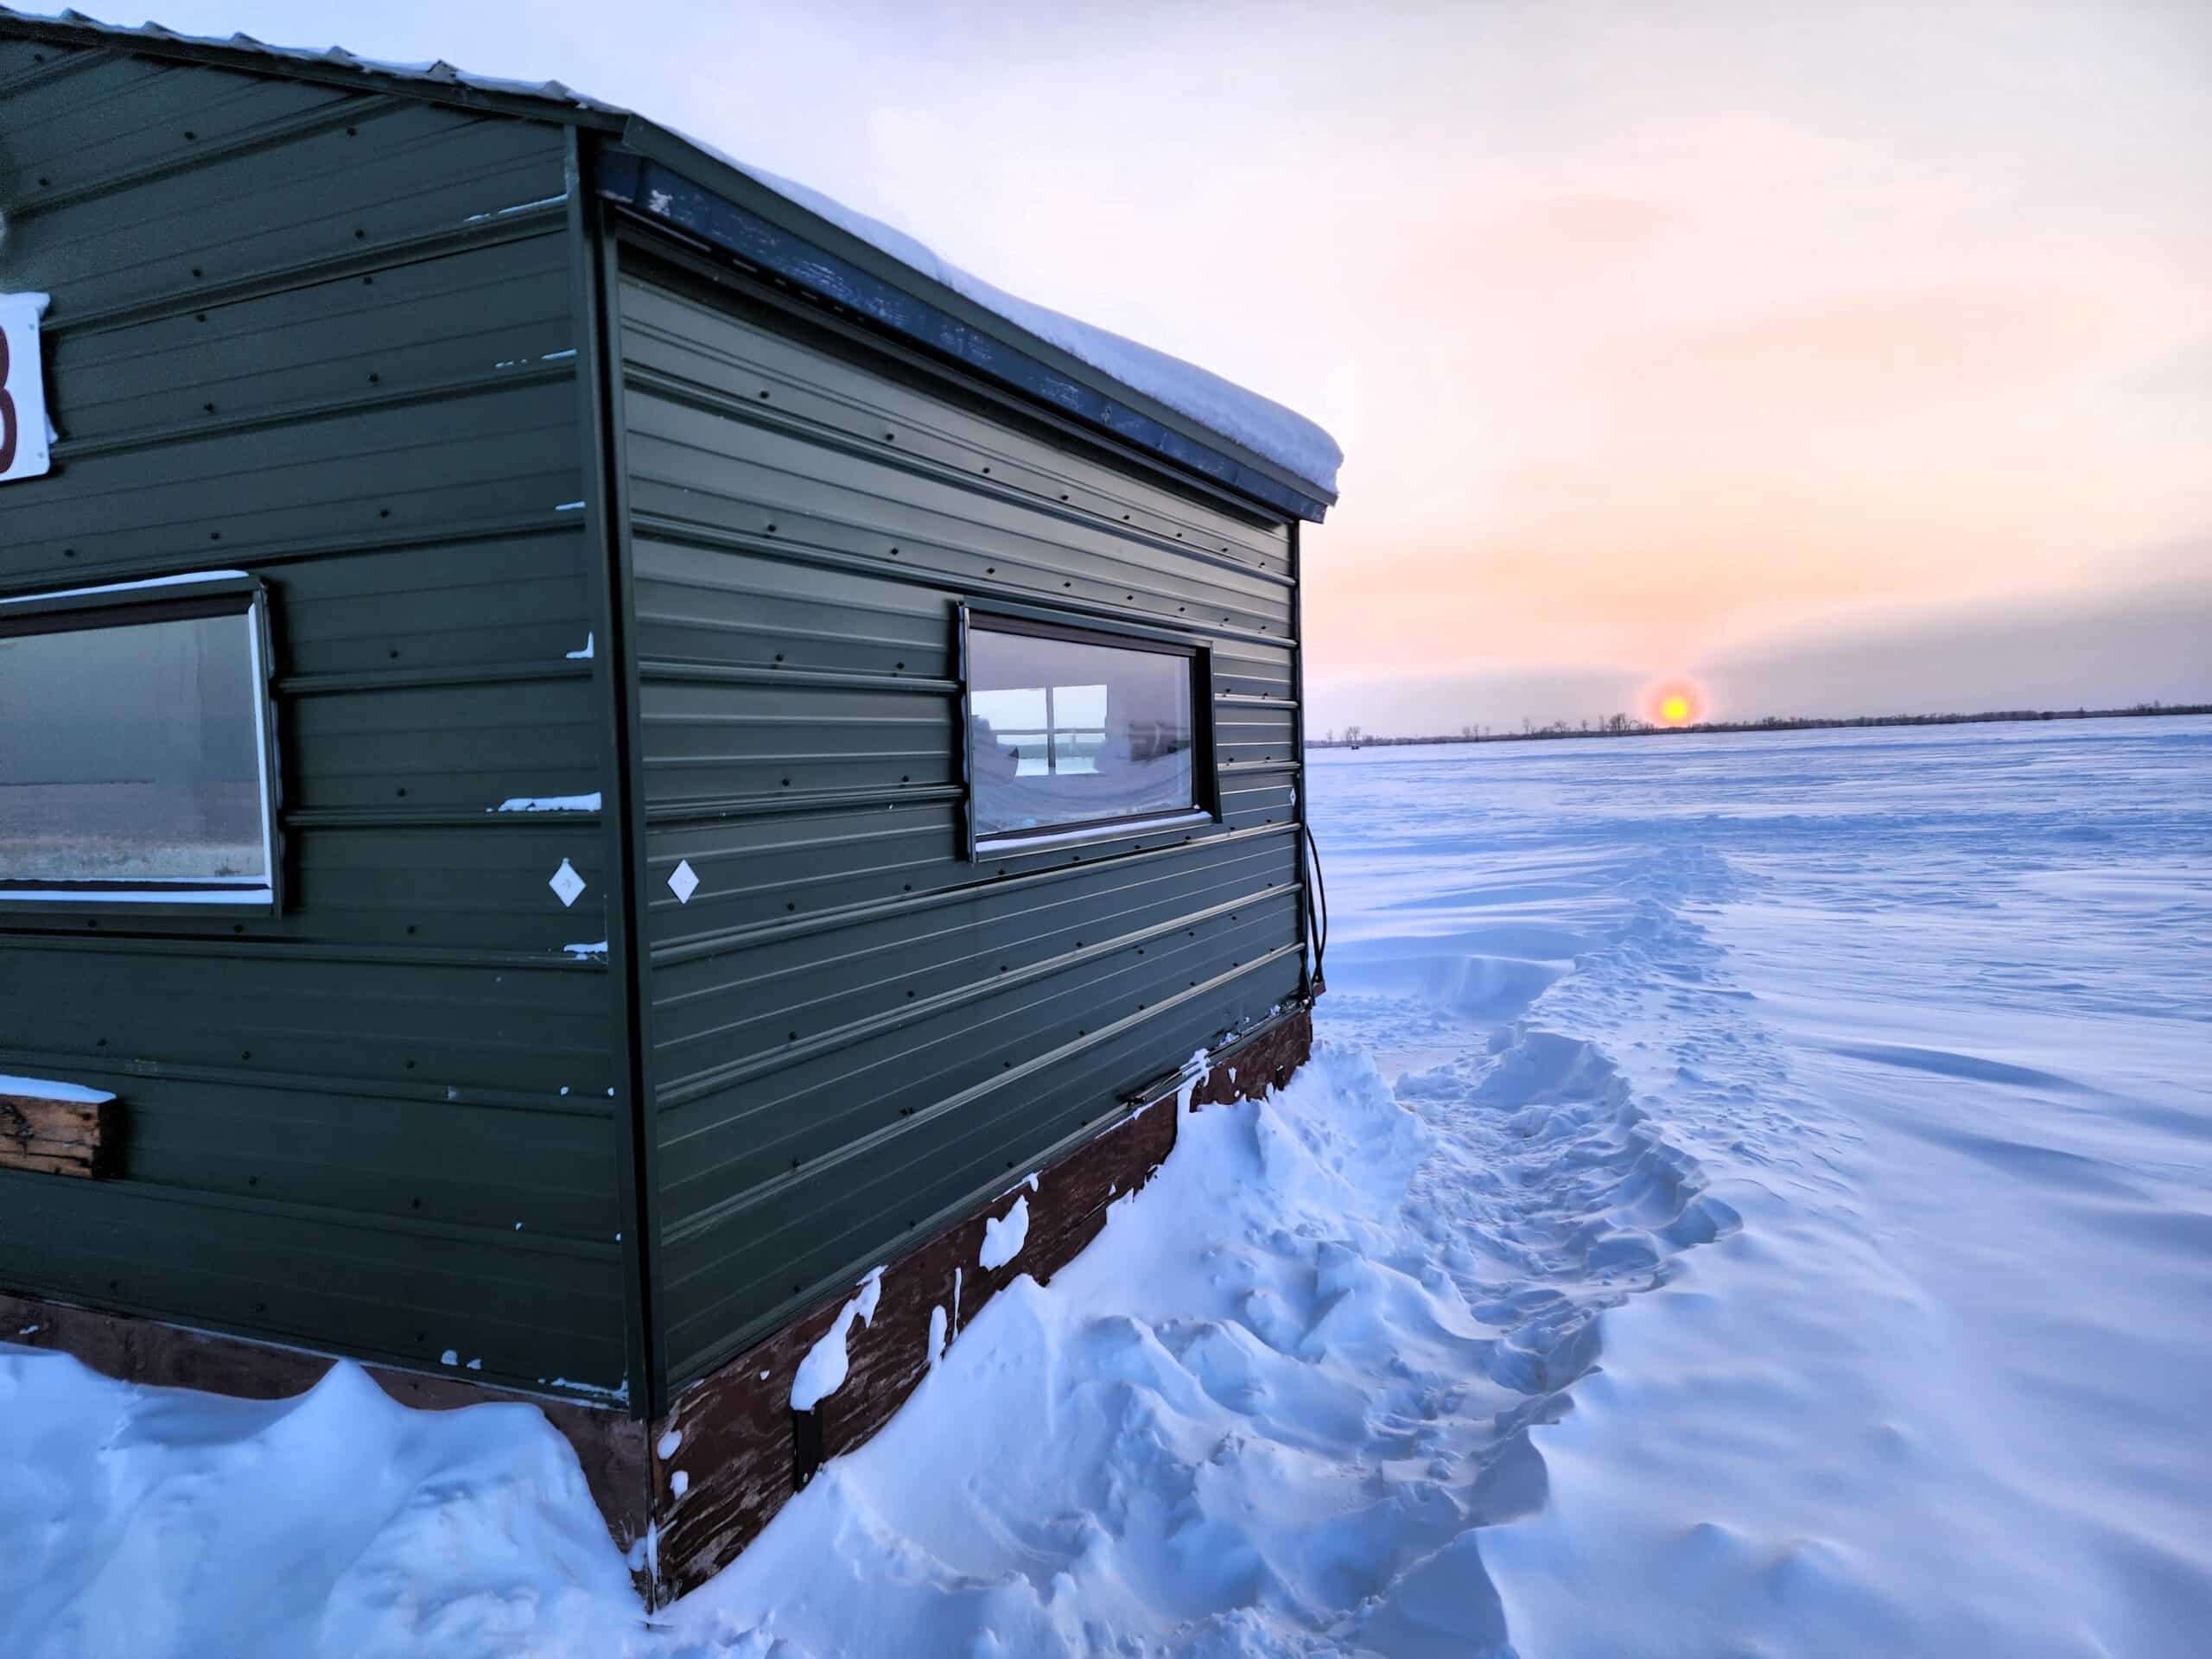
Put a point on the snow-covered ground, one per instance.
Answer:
(1755, 1197)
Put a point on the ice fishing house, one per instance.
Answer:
(602, 763)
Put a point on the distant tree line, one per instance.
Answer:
(1355, 737)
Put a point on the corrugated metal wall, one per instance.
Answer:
(330, 337)
(855, 1033)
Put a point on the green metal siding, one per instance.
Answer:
(855, 1032)
(330, 337)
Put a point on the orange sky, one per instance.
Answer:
(1659, 338)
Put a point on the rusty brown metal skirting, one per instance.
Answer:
(610, 1445)
(743, 1450)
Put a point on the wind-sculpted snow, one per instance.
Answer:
(1750, 1197)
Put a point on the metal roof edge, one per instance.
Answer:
(439, 83)
(664, 175)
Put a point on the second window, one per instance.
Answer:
(1070, 728)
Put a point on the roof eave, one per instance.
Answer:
(732, 210)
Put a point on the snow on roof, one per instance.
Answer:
(1266, 428)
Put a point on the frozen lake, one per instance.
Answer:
(1930, 1009)
(1754, 1197)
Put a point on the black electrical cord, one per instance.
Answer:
(1317, 912)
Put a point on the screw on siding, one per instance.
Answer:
(68, 552)
(891, 437)
(375, 378)
(772, 529)
(353, 131)
(102, 1043)
(894, 552)
(990, 569)
(360, 235)
(210, 408)
(987, 469)
(195, 270)
(764, 397)
(214, 535)
(190, 134)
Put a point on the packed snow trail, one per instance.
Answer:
(1751, 1197)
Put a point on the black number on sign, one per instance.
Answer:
(7, 412)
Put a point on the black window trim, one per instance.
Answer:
(1079, 628)
(130, 604)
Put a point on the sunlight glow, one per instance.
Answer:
(1675, 702)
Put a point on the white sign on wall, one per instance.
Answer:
(24, 435)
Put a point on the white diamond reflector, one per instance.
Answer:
(683, 881)
(566, 883)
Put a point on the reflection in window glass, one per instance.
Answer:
(1067, 732)
(132, 754)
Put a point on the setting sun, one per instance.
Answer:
(1676, 701)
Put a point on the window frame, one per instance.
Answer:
(127, 604)
(1077, 628)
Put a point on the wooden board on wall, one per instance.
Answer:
(56, 1137)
